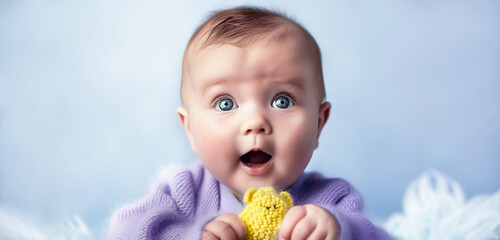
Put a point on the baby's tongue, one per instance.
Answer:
(255, 157)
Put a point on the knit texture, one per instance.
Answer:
(183, 200)
(264, 212)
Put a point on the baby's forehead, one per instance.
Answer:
(289, 71)
(287, 39)
(206, 39)
(289, 57)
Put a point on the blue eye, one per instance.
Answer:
(224, 104)
(282, 102)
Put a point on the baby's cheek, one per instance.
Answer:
(298, 145)
(212, 140)
(298, 131)
(217, 152)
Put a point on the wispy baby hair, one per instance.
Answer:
(239, 26)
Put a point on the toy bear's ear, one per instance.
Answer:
(287, 198)
(249, 195)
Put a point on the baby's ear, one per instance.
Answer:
(324, 113)
(288, 200)
(184, 118)
(249, 195)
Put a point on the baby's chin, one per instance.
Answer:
(241, 190)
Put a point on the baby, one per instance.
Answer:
(253, 96)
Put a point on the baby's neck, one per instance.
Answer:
(237, 195)
(240, 196)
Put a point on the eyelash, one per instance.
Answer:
(217, 100)
(289, 99)
(286, 94)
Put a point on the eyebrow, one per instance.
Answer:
(211, 83)
(294, 81)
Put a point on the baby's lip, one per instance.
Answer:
(255, 158)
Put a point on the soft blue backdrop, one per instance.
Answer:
(88, 91)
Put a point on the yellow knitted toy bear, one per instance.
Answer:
(264, 212)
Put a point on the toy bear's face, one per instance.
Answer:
(268, 202)
(265, 201)
(264, 212)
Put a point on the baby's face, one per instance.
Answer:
(253, 114)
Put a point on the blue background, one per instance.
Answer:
(88, 92)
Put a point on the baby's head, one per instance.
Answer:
(253, 95)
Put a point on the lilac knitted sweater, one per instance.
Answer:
(183, 200)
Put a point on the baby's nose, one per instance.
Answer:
(257, 124)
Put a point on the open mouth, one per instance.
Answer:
(255, 158)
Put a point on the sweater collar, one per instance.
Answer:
(228, 202)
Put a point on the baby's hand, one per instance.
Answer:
(226, 226)
(308, 222)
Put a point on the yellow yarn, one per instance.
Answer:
(264, 212)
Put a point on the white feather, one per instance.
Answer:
(434, 207)
(13, 226)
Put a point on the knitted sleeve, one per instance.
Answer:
(171, 210)
(339, 198)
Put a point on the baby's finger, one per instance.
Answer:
(319, 233)
(292, 217)
(236, 224)
(304, 229)
(326, 225)
(205, 235)
(218, 229)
